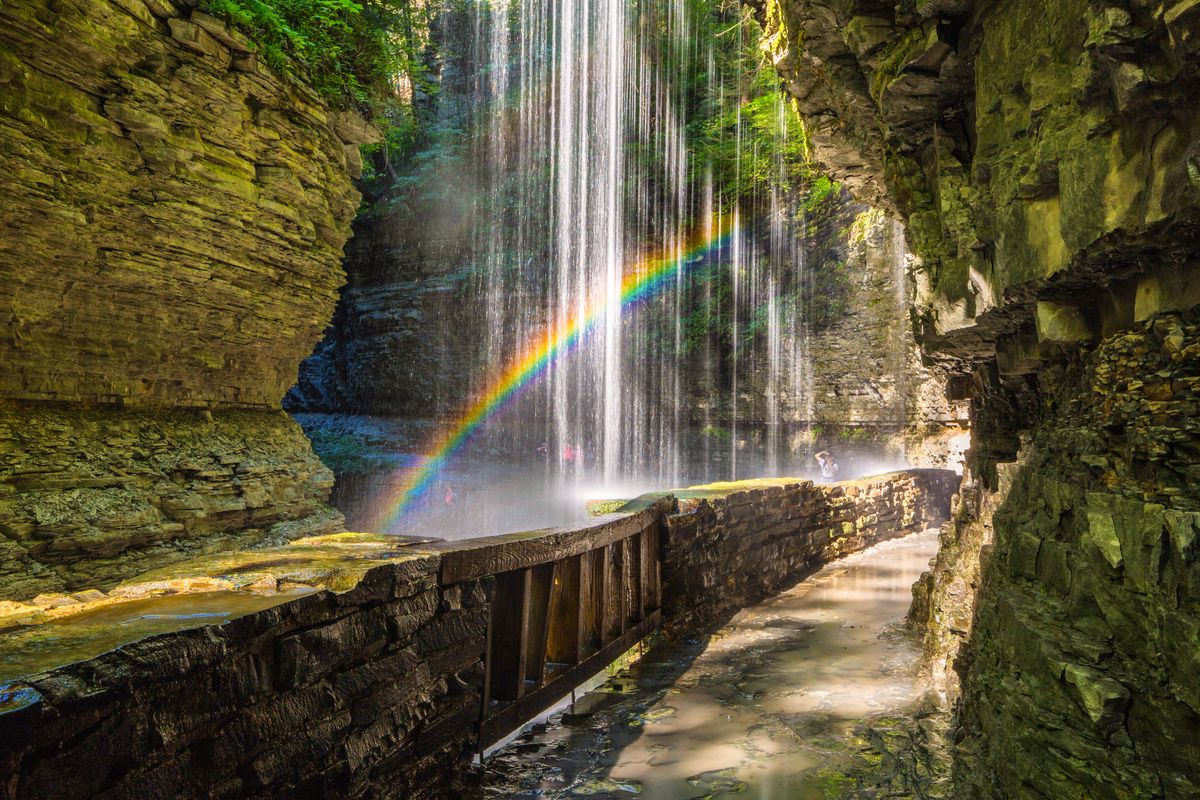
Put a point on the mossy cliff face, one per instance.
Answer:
(1030, 146)
(89, 497)
(174, 214)
(171, 225)
(1045, 158)
(1080, 678)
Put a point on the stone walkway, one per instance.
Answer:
(807, 695)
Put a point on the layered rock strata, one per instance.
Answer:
(1081, 668)
(174, 213)
(1034, 150)
(173, 220)
(1045, 159)
(92, 496)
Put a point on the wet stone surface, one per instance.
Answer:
(810, 694)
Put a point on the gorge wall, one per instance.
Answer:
(173, 221)
(1045, 157)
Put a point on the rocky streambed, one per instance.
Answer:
(809, 694)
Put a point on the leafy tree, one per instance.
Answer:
(365, 54)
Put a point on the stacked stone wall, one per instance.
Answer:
(377, 691)
(726, 553)
(372, 692)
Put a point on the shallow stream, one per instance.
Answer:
(810, 694)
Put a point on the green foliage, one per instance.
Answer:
(717, 432)
(857, 434)
(344, 453)
(353, 52)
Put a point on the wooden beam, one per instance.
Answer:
(475, 558)
(593, 599)
(568, 610)
(638, 573)
(508, 633)
(505, 721)
(541, 586)
(652, 547)
(618, 565)
(604, 596)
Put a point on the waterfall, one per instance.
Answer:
(597, 151)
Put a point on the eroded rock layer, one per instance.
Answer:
(1033, 148)
(1082, 667)
(1045, 158)
(172, 217)
(90, 497)
(173, 213)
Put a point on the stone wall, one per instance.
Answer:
(732, 549)
(375, 690)
(368, 693)
(171, 225)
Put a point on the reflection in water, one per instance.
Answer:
(771, 706)
(79, 637)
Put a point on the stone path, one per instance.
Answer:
(807, 695)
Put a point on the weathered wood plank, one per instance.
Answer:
(593, 598)
(474, 558)
(615, 599)
(638, 574)
(541, 585)
(652, 544)
(604, 596)
(498, 725)
(568, 612)
(507, 636)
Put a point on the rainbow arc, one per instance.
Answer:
(643, 281)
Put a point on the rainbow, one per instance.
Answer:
(642, 281)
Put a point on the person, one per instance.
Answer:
(450, 497)
(829, 467)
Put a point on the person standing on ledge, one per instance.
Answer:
(829, 467)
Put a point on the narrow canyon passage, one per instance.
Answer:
(809, 694)
(374, 372)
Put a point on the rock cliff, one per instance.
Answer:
(173, 220)
(1044, 157)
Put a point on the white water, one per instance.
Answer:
(587, 164)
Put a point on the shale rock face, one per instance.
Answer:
(171, 225)
(1082, 668)
(1044, 156)
(1030, 146)
(89, 497)
(173, 214)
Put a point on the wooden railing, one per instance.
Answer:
(566, 603)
